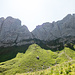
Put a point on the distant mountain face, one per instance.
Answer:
(13, 33)
(55, 30)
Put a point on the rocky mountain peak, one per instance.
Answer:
(12, 32)
(51, 31)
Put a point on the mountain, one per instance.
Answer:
(60, 29)
(56, 34)
(13, 33)
(48, 50)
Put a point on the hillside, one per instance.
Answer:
(67, 68)
(35, 59)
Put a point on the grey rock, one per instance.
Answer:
(54, 30)
(47, 31)
(9, 30)
(12, 32)
(23, 34)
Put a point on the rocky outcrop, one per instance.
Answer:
(12, 33)
(47, 31)
(49, 34)
(56, 34)
(60, 29)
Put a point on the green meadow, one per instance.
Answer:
(38, 61)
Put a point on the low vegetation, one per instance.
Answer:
(38, 61)
(67, 68)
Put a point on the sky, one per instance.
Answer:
(36, 12)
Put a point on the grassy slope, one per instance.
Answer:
(67, 68)
(27, 62)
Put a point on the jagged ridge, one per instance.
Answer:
(13, 33)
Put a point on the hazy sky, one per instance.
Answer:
(36, 12)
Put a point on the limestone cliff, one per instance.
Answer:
(12, 33)
(60, 29)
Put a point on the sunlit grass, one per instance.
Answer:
(45, 65)
(67, 68)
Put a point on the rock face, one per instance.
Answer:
(55, 30)
(12, 33)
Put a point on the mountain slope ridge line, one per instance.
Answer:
(11, 28)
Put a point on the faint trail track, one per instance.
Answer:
(66, 55)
